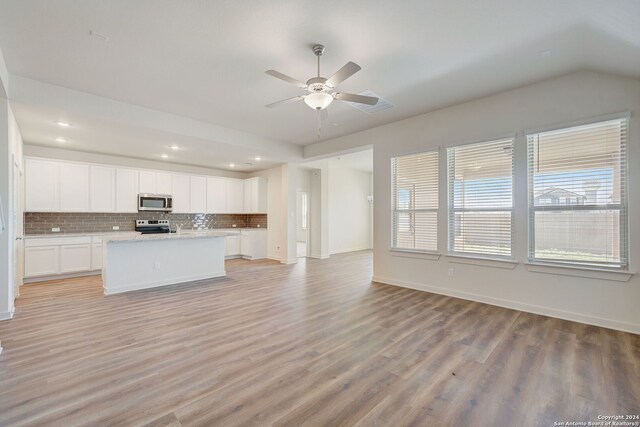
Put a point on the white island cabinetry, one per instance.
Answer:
(147, 261)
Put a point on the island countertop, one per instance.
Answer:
(166, 236)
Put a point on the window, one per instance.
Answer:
(415, 201)
(577, 195)
(480, 183)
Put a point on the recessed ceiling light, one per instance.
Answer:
(62, 140)
(164, 156)
(258, 158)
(232, 165)
(63, 124)
(174, 147)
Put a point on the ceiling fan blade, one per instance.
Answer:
(343, 74)
(279, 75)
(285, 101)
(361, 99)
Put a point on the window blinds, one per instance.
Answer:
(480, 182)
(415, 201)
(578, 194)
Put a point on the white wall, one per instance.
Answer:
(281, 191)
(303, 185)
(562, 100)
(318, 206)
(4, 78)
(274, 211)
(349, 217)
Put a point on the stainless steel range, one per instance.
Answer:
(152, 226)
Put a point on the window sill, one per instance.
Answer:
(506, 264)
(408, 253)
(580, 271)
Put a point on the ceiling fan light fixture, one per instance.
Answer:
(318, 101)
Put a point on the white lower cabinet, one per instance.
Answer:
(41, 261)
(232, 245)
(96, 256)
(75, 258)
(59, 255)
(47, 257)
(253, 243)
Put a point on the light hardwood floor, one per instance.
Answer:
(314, 343)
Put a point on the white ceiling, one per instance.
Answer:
(206, 60)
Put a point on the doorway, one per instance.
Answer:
(302, 226)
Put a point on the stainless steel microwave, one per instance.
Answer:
(155, 202)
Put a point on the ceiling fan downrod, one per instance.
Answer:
(318, 50)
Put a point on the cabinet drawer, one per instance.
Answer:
(56, 241)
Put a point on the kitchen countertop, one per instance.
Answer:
(137, 237)
(118, 233)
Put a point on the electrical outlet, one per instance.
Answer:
(116, 227)
(278, 248)
(451, 272)
(156, 265)
(55, 229)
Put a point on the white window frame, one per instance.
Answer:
(622, 207)
(451, 210)
(395, 211)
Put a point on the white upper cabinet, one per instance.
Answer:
(163, 183)
(74, 187)
(146, 182)
(235, 195)
(216, 195)
(126, 190)
(103, 189)
(153, 182)
(198, 198)
(42, 181)
(259, 191)
(247, 196)
(181, 192)
(255, 195)
(64, 186)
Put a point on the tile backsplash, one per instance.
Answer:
(43, 222)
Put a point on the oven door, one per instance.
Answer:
(154, 202)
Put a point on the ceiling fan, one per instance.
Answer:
(321, 91)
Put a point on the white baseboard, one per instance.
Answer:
(515, 305)
(289, 261)
(319, 256)
(28, 280)
(7, 315)
(159, 283)
(356, 249)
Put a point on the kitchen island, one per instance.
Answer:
(143, 261)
